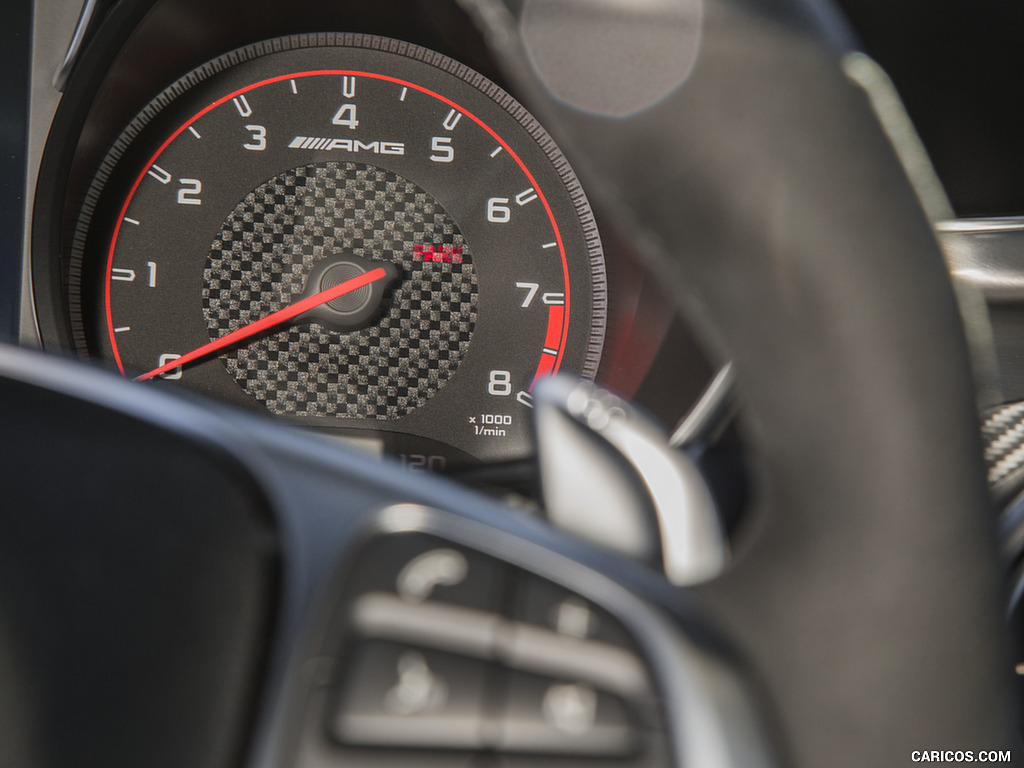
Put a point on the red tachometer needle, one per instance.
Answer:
(274, 318)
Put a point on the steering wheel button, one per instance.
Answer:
(421, 569)
(397, 695)
(547, 715)
(544, 604)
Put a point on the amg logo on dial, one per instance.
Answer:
(348, 145)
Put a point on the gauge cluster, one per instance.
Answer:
(342, 220)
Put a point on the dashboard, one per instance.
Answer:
(505, 383)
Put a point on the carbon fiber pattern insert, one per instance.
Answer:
(1003, 433)
(259, 262)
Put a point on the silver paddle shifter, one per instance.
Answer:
(610, 475)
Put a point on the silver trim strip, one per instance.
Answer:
(548, 653)
(899, 128)
(1001, 224)
(709, 411)
(53, 24)
(60, 77)
(450, 628)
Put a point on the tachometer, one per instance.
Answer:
(348, 231)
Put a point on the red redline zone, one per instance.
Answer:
(548, 364)
(552, 340)
(546, 367)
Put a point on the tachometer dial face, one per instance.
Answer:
(350, 232)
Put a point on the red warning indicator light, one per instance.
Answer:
(449, 254)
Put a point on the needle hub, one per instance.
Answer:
(350, 311)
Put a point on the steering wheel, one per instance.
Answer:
(164, 597)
